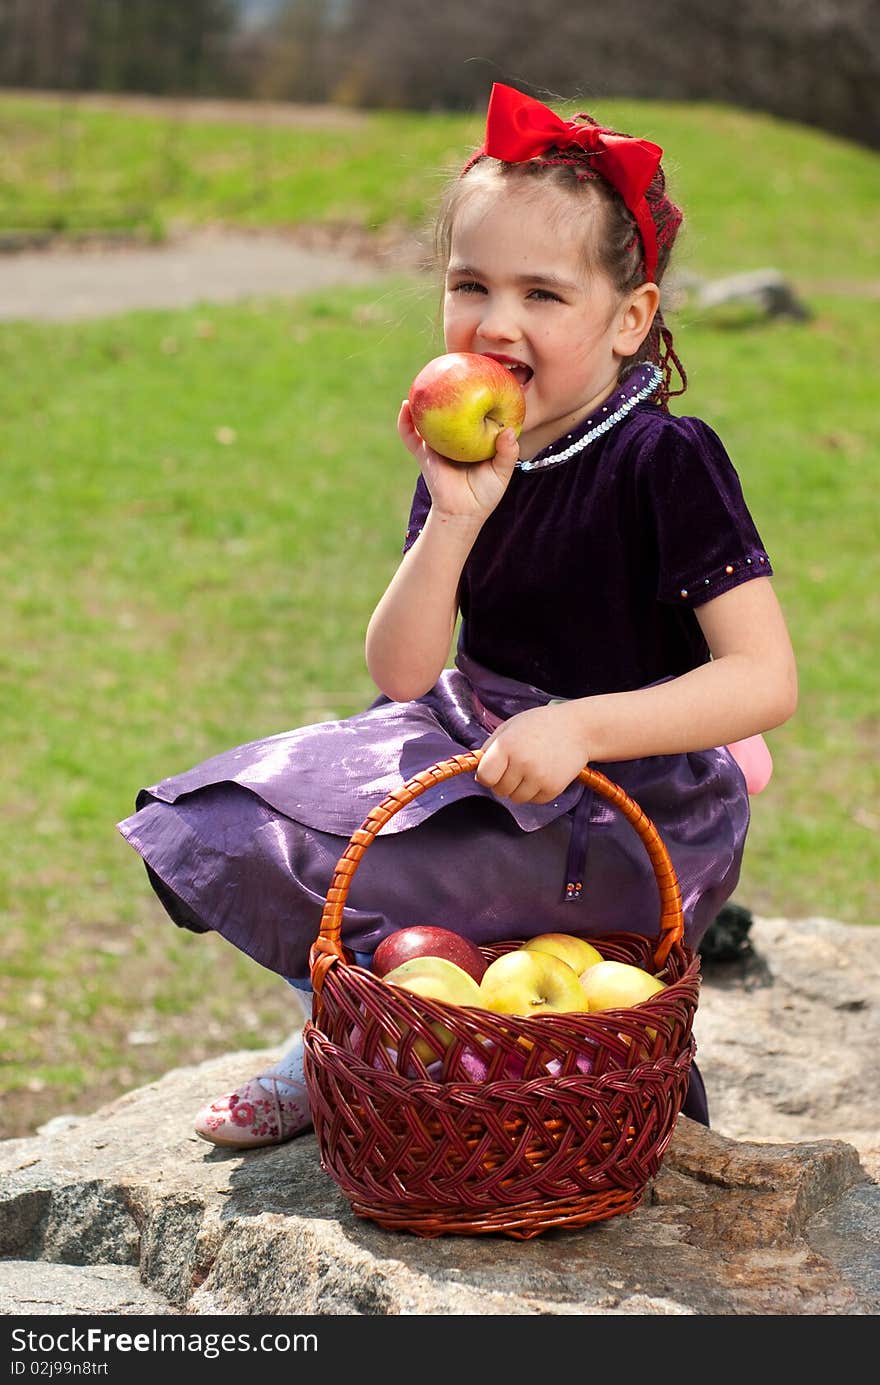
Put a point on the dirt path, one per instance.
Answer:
(212, 266)
(286, 113)
(65, 282)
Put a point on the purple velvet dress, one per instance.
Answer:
(584, 580)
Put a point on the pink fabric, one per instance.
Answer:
(754, 759)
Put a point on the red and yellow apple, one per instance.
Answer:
(531, 983)
(577, 952)
(436, 978)
(460, 402)
(426, 940)
(618, 985)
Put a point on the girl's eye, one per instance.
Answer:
(472, 286)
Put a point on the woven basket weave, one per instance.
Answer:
(438, 1119)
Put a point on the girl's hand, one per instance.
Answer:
(533, 756)
(458, 489)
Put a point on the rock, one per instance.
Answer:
(35, 1287)
(766, 289)
(788, 1036)
(129, 1202)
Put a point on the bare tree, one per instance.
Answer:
(116, 45)
(815, 61)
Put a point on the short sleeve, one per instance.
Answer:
(421, 504)
(707, 542)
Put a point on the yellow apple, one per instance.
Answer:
(528, 982)
(460, 402)
(436, 978)
(618, 985)
(577, 952)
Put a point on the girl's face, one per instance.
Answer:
(518, 289)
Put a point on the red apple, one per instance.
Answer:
(460, 402)
(423, 940)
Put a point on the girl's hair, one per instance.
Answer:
(615, 251)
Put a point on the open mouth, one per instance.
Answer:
(521, 372)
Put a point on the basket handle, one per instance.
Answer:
(327, 947)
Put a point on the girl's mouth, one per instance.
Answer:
(521, 372)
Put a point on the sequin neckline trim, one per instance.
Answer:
(598, 424)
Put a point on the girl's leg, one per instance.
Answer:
(268, 1109)
(696, 1104)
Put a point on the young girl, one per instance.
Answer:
(616, 609)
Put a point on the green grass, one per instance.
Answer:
(166, 594)
(169, 595)
(757, 190)
(201, 509)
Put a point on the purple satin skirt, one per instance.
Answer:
(246, 843)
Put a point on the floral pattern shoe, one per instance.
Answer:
(265, 1110)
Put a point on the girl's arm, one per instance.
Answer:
(749, 686)
(410, 631)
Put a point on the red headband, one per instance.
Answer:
(518, 128)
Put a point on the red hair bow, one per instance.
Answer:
(519, 128)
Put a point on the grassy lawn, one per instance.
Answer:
(65, 167)
(201, 509)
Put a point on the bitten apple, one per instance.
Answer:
(425, 940)
(460, 402)
(618, 985)
(577, 952)
(435, 978)
(531, 983)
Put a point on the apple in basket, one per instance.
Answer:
(618, 985)
(435, 978)
(577, 952)
(424, 940)
(460, 402)
(529, 982)
(475, 1066)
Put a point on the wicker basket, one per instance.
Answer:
(437, 1119)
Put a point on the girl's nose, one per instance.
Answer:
(499, 323)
